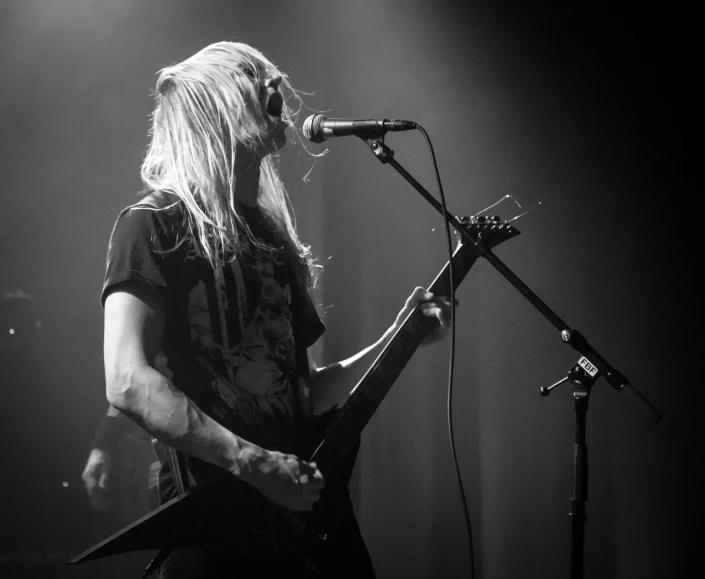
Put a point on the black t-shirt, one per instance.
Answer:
(235, 336)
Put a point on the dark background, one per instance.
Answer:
(587, 109)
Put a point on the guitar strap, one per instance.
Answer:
(177, 466)
(183, 482)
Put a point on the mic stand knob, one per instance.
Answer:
(582, 376)
(379, 149)
(546, 391)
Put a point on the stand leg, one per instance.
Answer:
(580, 494)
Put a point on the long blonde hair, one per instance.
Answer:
(205, 105)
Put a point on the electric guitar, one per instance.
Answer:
(229, 511)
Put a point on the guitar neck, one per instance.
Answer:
(378, 380)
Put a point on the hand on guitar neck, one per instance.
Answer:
(433, 307)
(332, 384)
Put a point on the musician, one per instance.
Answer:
(208, 307)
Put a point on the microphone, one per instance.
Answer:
(318, 128)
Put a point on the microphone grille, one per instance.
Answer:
(312, 128)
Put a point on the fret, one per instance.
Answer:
(369, 393)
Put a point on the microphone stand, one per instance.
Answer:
(582, 376)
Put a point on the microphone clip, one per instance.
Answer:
(379, 149)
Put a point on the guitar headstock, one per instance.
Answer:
(490, 231)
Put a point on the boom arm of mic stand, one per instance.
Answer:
(571, 337)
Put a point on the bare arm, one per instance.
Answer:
(134, 324)
(331, 385)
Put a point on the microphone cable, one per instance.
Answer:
(451, 364)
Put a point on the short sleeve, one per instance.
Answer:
(138, 251)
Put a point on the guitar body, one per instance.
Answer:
(238, 514)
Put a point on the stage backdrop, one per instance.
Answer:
(571, 119)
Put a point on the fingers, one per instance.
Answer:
(101, 502)
(311, 476)
(439, 308)
(312, 483)
(302, 472)
(98, 493)
(439, 313)
(91, 484)
(91, 476)
(96, 477)
(419, 295)
(432, 306)
(308, 483)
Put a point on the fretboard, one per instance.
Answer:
(364, 400)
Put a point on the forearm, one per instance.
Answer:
(331, 385)
(169, 415)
